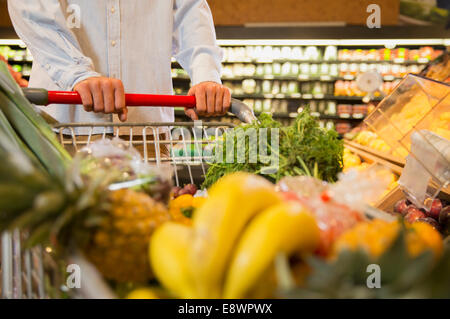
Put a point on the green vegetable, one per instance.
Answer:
(31, 128)
(304, 149)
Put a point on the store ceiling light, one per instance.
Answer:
(343, 42)
(389, 43)
(12, 42)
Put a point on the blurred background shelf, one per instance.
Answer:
(284, 69)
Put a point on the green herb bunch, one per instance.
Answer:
(304, 149)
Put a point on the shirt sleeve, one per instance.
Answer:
(41, 24)
(195, 46)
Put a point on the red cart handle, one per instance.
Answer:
(44, 97)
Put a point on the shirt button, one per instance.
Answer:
(113, 10)
(113, 43)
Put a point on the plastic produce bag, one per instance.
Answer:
(340, 206)
(430, 163)
(124, 167)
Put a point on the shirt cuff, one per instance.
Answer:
(205, 68)
(66, 79)
(87, 75)
(205, 74)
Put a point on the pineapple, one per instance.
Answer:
(112, 228)
(68, 203)
(118, 247)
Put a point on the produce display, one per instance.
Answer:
(438, 69)
(354, 161)
(417, 104)
(371, 140)
(282, 79)
(305, 230)
(438, 216)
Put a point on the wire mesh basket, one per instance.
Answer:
(35, 273)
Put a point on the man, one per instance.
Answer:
(121, 46)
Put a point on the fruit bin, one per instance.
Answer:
(416, 107)
(34, 273)
(416, 103)
(388, 204)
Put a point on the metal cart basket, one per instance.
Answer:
(33, 273)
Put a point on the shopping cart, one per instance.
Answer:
(35, 273)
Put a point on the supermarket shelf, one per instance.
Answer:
(340, 118)
(281, 61)
(299, 96)
(180, 112)
(12, 61)
(300, 78)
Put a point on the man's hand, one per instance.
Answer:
(103, 95)
(212, 99)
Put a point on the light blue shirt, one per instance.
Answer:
(132, 40)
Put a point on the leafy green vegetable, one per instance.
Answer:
(32, 129)
(303, 149)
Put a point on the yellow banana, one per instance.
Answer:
(285, 228)
(169, 249)
(218, 223)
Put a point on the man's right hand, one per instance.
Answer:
(103, 95)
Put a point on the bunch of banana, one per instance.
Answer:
(235, 236)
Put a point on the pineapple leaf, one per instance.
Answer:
(402, 276)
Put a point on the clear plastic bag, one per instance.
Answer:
(340, 206)
(123, 167)
(427, 169)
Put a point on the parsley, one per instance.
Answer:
(304, 149)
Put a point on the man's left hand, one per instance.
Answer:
(213, 99)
